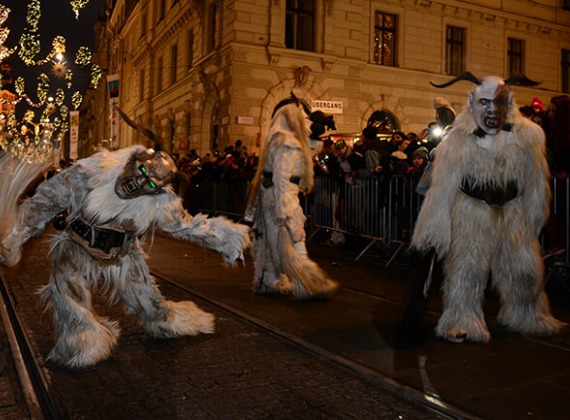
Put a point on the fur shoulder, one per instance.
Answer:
(281, 138)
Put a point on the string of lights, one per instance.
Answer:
(25, 137)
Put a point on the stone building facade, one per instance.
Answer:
(204, 73)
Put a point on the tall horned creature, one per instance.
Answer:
(487, 202)
(113, 200)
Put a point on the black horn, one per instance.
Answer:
(144, 131)
(520, 80)
(463, 76)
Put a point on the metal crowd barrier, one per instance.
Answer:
(558, 263)
(382, 211)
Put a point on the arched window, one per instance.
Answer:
(384, 121)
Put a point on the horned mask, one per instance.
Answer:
(490, 101)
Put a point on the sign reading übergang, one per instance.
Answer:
(328, 107)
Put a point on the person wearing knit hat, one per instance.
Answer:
(420, 159)
(422, 153)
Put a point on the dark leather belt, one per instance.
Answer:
(99, 238)
(492, 195)
(268, 179)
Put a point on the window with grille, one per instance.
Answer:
(565, 66)
(385, 39)
(454, 50)
(161, 9)
(190, 49)
(299, 24)
(159, 64)
(173, 63)
(141, 85)
(143, 23)
(515, 56)
(212, 27)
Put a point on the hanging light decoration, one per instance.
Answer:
(25, 137)
(58, 69)
(83, 56)
(4, 32)
(77, 5)
(96, 74)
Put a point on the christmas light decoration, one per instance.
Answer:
(27, 138)
(96, 74)
(58, 69)
(77, 5)
(76, 100)
(83, 57)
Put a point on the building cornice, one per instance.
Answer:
(487, 15)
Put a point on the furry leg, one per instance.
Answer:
(82, 338)
(159, 317)
(464, 284)
(519, 277)
(266, 276)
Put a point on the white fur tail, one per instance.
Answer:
(15, 177)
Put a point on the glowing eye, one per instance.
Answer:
(144, 171)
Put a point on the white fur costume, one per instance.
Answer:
(280, 254)
(476, 238)
(87, 191)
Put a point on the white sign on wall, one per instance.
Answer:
(244, 120)
(328, 107)
(73, 133)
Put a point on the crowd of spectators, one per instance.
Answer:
(234, 163)
(382, 155)
(555, 121)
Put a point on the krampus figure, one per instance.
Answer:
(488, 200)
(112, 200)
(285, 169)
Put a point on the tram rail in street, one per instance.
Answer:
(261, 343)
(39, 403)
(387, 383)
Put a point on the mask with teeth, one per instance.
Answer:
(146, 173)
(490, 103)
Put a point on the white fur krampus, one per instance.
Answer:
(285, 168)
(487, 202)
(112, 200)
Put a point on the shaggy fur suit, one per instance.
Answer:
(86, 191)
(476, 239)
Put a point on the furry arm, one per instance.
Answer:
(433, 227)
(51, 197)
(285, 159)
(535, 188)
(216, 233)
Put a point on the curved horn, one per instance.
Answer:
(463, 76)
(520, 80)
(144, 131)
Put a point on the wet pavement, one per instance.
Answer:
(284, 359)
(511, 377)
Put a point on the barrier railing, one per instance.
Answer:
(376, 209)
(381, 210)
